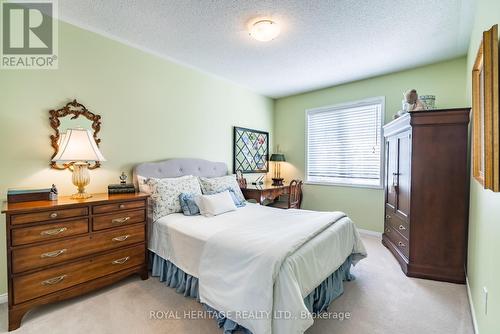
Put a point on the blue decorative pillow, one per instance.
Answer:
(237, 201)
(188, 205)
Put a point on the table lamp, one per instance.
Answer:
(277, 158)
(77, 148)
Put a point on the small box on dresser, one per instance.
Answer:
(62, 249)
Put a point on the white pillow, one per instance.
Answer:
(218, 184)
(165, 193)
(213, 205)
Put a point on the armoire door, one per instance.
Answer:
(402, 177)
(391, 168)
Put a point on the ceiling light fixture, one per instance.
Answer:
(265, 30)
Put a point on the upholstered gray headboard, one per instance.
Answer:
(180, 167)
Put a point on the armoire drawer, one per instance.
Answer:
(398, 224)
(398, 240)
(41, 283)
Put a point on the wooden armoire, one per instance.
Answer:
(427, 193)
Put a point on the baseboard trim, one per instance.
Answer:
(3, 298)
(370, 233)
(471, 305)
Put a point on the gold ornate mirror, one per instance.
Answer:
(72, 115)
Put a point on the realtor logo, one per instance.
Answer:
(29, 35)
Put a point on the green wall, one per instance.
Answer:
(152, 109)
(484, 219)
(446, 80)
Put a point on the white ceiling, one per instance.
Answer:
(322, 42)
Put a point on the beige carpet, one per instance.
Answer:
(380, 300)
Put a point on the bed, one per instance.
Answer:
(258, 269)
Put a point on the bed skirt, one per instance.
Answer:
(316, 302)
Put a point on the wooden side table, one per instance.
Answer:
(263, 192)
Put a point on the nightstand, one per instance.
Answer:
(62, 249)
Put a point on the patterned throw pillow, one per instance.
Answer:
(218, 184)
(165, 193)
(143, 184)
(188, 204)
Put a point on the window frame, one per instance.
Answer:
(352, 104)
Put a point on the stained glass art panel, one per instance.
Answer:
(251, 150)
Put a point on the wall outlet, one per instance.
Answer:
(485, 298)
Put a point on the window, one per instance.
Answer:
(344, 144)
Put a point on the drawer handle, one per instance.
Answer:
(54, 253)
(401, 227)
(55, 231)
(121, 261)
(401, 244)
(53, 215)
(121, 238)
(121, 206)
(387, 217)
(55, 280)
(120, 220)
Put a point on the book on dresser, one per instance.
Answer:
(62, 249)
(15, 195)
(121, 188)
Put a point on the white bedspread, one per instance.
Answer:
(237, 254)
(180, 239)
(248, 271)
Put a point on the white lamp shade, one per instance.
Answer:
(78, 145)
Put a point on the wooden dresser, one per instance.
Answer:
(427, 193)
(61, 249)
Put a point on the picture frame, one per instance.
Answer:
(250, 150)
(485, 109)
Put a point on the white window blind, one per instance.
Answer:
(344, 144)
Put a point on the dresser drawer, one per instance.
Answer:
(118, 219)
(398, 224)
(26, 218)
(27, 235)
(118, 206)
(38, 284)
(118, 237)
(56, 252)
(398, 240)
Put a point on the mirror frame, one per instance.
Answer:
(486, 117)
(478, 118)
(76, 109)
